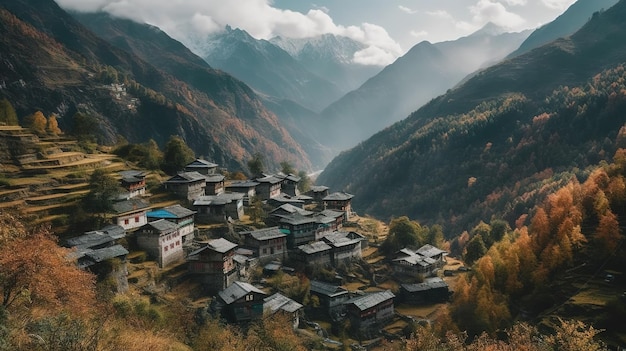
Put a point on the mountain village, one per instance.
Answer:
(202, 238)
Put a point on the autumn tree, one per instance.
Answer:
(37, 122)
(52, 126)
(7, 113)
(176, 155)
(36, 270)
(475, 249)
(608, 233)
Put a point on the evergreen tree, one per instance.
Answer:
(176, 155)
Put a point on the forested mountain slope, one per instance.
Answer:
(53, 63)
(490, 146)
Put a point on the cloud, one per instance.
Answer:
(199, 18)
(373, 56)
(516, 2)
(420, 34)
(558, 4)
(407, 10)
(440, 14)
(488, 11)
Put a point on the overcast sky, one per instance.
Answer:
(389, 27)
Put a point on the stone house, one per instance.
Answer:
(346, 246)
(283, 199)
(187, 185)
(318, 193)
(424, 261)
(431, 290)
(289, 184)
(279, 303)
(201, 166)
(339, 201)
(183, 217)
(161, 241)
(97, 246)
(301, 229)
(245, 187)
(219, 208)
(134, 183)
(130, 214)
(214, 264)
(269, 186)
(330, 296)
(267, 244)
(317, 253)
(241, 302)
(214, 184)
(369, 312)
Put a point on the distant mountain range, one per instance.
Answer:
(425, 71)
(53, 63)
(499, 142)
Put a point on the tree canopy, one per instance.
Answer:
(176, 155)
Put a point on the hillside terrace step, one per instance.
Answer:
(8, 195)
(51, 199)
(60, 208)
(12, 204)
(86, 162)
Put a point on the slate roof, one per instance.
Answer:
(428, 284)
(370, 300)
(338, 239)
(221, 245)
(243, 184)
(237, 290)
(269, 179)
(332, 213)
(106, 253)
(162, 225)
(338, 196)
(202, 164)
(98, 237)
(171, 212)
(186, 177)
(214, 178)
(326, 289)
(297, 219)
(266, 233)
(131, 205)
(284, 198)
(314, 247)
(429, 251)
(289, 208)
(217, 200)
(278, 301)
(132, 174)
(318, 188)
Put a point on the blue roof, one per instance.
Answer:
(161, 214)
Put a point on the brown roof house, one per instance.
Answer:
(279, 303)
(369, 313)
(267, 243)
(130, 214)
(183, 217)
(424, 261)
(240, 302)
(161, 240)
(201, 166)
(187, 185)
(339, 201)
(219, 208)
(214, 264)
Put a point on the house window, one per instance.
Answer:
(177, 242)
(171, 245)
(126, 221)
(264, 251)
(165, 249)
(280, 247)
(249, 297)
(137, 219)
